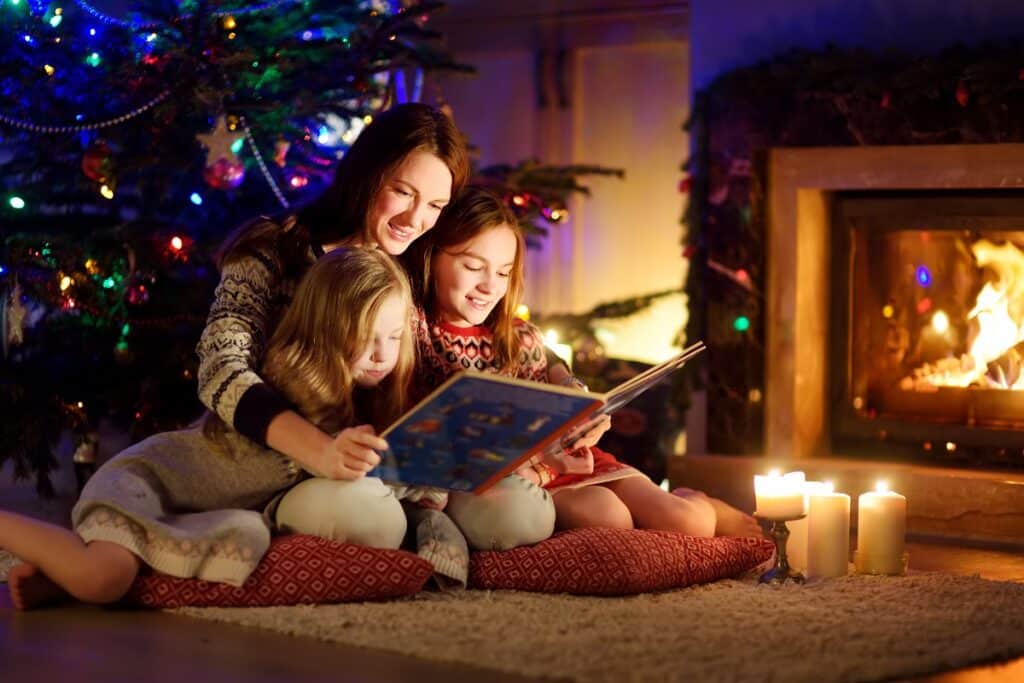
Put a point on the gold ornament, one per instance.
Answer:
(218, 143)
(14, 313)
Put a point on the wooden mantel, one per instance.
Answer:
(800, 184)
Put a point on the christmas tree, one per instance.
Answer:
(130, 145)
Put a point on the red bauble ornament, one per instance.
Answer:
(689, 251)
(686, 184)
(137, 294)
(224, 174)
(963, 95)
(98, 162)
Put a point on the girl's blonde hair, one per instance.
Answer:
(473, 212)
(327, 326)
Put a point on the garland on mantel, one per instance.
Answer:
(964, 95)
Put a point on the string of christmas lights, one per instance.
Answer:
(49, 129)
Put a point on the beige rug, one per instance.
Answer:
(853, 629)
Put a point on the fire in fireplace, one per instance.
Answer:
(928, 307)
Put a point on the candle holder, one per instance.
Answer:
(781, 572)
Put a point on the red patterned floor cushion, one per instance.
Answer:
(296, 570)
(598, 561)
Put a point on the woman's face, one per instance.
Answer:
(409, 202)
(470, 279)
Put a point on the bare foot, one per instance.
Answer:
(733, 522)
(31, 588)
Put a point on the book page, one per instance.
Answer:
(476, 427)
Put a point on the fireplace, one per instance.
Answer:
(806, 409)
(927, 313)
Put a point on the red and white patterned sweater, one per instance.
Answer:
(445, 349)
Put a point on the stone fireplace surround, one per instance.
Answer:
(976, 505)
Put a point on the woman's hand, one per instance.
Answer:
(352, 454)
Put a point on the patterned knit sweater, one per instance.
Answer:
(445, 349)
(247, 305)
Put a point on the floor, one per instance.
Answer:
(116, 645)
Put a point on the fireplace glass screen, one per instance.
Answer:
(929, 303)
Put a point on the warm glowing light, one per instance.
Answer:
(367, 119)
(229, 22)
(176, 243)
(829, 487)
(523, 312)
(882, 487)
(950, 446)
(106, 191)
(65, 283)
(80, 404)
(888, 311)
(519, 200)
(551, 337)
(48, 69)
(940, 322)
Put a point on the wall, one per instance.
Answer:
(727, 34)
(626, 100)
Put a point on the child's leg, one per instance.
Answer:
(654, 508)
(57, 562)
(514, 512)
(590, 506)
(363, 511)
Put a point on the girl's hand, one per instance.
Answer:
(353, 453)
(577, 461)
(594, 433)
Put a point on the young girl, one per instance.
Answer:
(190, 503)
(468, 275)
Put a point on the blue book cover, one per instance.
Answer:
(477, 428)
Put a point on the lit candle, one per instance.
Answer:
(881, 528)
(796, 548)
(828, 533)
(780, 497)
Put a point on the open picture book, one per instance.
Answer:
(478, 427)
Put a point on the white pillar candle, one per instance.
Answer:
(796, 548)
(828, 533)
(780, 497)
(881, 528)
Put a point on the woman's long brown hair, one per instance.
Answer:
(340, 212)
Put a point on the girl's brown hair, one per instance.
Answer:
(340, 212)
(474, 211)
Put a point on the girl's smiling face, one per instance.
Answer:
(471, 278)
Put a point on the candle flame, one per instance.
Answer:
(830, 487)
(882, 487)
(775, 473)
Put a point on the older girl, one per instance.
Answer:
(468, 276)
